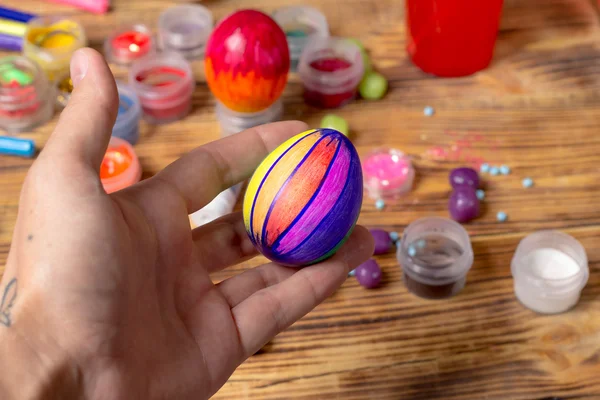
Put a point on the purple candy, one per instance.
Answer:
(368, 274)
(383, 243)
(464, 176)
(463, 204)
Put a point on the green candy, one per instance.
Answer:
(332, 121)
(373, 86)
(363, 52)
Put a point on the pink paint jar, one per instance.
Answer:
(388, 173)
(164, 84)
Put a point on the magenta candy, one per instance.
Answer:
(463, 204)
(368, 274)
(383, 243)
(464, 176)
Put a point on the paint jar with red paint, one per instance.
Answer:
(452, 38)
(185, 29)
(164, 84)
(233, 122)
(331, 69)
(120, 166)
(26, 96)
(129, 44)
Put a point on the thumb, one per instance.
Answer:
(84, 128)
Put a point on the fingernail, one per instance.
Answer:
(79, 67)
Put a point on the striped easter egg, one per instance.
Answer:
(303, 200)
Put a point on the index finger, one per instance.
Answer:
(206, 171)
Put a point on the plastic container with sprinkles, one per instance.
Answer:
(185, 29)
(120, 167)
(26, 97)
(164, 84)
(300, 24)
(232, 122)
(129, 44)
(127, 125)
(51, 41)
(388, 173)
(331, 69)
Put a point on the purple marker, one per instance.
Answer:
(11, 43)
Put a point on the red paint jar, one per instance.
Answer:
(164, 84)
(331, 69)
(120, 166)
(129, 44)
(452, 38)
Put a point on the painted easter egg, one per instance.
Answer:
(247, 61)
(303, 200)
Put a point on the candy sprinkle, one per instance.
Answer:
(480, 194)
(412, 251)
(380, 204)
(505, 170)
(527, 183)
(394, 236)
(352, 273)
(494, 171)
(428, 111)
(501, 216)
(485, 167)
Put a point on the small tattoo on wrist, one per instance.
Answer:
(8, 300)
(29, 237)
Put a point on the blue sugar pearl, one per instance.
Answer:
(485, 167)
(352, 273)
(421, 244)
(494, 171)
(428, 111)
(412, 251)
(527, 182)
(505, 170)
(480, 194)
(394, 236)
(501, 216)
(379, 204)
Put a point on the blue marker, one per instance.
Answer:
(14, 15)
(13, 146)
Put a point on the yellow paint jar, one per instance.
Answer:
(51, 41)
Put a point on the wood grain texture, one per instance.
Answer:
(537, 108)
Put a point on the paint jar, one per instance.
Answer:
(128, 44)
(120, 166)
(452, 38)
(127, 125)
(330, 69)
(232, 122)
(51, 41)
(300, 24)
(185, 29)
(549, 269)
(64, 89)
(436, 255)
(387, 173)
(26, 96)
(164, 85)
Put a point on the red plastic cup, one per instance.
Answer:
(452, 38)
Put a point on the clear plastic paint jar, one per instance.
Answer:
(387, 173)
(127, 125)
(26, 96)
(330, 69)
(185, 29)
(232, 122)
(164, 85)
(128, 44)
(51, 41)
(120, 167)
(300, 24)
(436, 255)
(549, 269)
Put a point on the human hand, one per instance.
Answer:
(113, 294)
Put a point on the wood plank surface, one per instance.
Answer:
(537, 109)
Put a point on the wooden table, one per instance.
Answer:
(537, 109)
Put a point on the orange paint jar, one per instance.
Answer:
(120, 167)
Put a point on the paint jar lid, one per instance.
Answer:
(388, 173)
(549, 269)
(435, 254)
(128, 119)
(185, 29)
(120, 167)
(233, 122)
(129, 43)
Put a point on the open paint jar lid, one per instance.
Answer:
(120, 166)
(549, 269)
(185, 29)
(129, 44)
(388, 173)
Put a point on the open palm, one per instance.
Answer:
(120, 283)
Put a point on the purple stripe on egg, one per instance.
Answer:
(326, 196)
